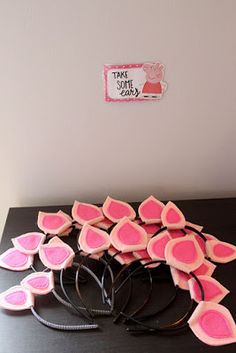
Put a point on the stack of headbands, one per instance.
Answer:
(158, 236)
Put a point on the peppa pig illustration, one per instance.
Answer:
(154, 87)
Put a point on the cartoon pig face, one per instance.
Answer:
(154, 72)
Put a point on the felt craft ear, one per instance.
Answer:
(150, 210)
(172, 217)
(56, 254)
(16, 298)
(128, 236)
(93, 240)
(39, 282)
(144, 258)
(15, 260)
(104, 224)
(156, 246)
(123, 259)
(86, 213)
(53, 223)
(150, 229)
(213, 290)
(184, 254)
(196, 226)
(29, 243)
(213, 324)
(115, 210)
(220, 251)
(206, 268)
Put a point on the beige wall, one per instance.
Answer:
(61, 141)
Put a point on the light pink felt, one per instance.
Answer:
(184, 253)
(196, 226)
(150, 210)
(16, 298)
(172, 217)
(115, 210)
(220, 251)
(144, 258)
(14, 260)
(206, 268)
(201, 243)
(156, 246)
(123, 258)
(53, 223)
(29, 243)
(128, 236)
(213, 290)
(39, 282)
(180, 278)
(213, 324)
(86, 213)
(104, 224)
(93, 240)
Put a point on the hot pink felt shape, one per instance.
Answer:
(16, 298)
(213, 324)
(39, 282)
(53, 223)
(213, 290)
(56, 254)
(86, 213)
(220, 251)
(123, 258)
(150, 210)
(172, 217)
(128, 236)
(15, 260)
(184, 253)
(29, 243)
(93, 240)
(115, 210)
(156, 246)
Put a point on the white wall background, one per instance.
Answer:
(60, 140)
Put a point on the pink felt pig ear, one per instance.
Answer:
(220, 251)
(29, 243)
(150, 210)
(172, 217)
(16, 298)
(53, 223)
(184, 254)
(180, 278)
(115, 210)
(93, 240)
(39, 282)
(156, 246)
(213, 290)
(123, 259)
(15, 260)
(86, 213)
(56, 254)
(128, 236)
(213, 324)
(206, 268)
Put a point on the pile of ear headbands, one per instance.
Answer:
(159, 236)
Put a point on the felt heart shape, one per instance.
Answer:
(86, 213)
(122, 258)
(213, 290)
(150, 210)
(128, 236)
(156, 246)
(29, 243)
(220, 251)
(184, 254)
(39, 282)
(56, 254)
(172, 217)
(115, 210)
(16, 298)
(15, 260)
(213, 324)
(93, 240)
(53, 223)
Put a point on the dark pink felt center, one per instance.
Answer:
(29, 242)
(210, 290)
(56, 255)
(172, 216)
(201, 270)
(185, 252)
(52, 221)
(159, 246)
(40, 282)
(222, 250)
(15, 259)
(16, 298)
(151, 210)
(128, 235)
(94, 239)
(215, 325)
(118, 210)
(87, 212)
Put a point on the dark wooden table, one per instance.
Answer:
(20, 332)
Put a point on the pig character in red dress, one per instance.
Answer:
(154, 86)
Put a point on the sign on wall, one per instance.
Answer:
(134, 82)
